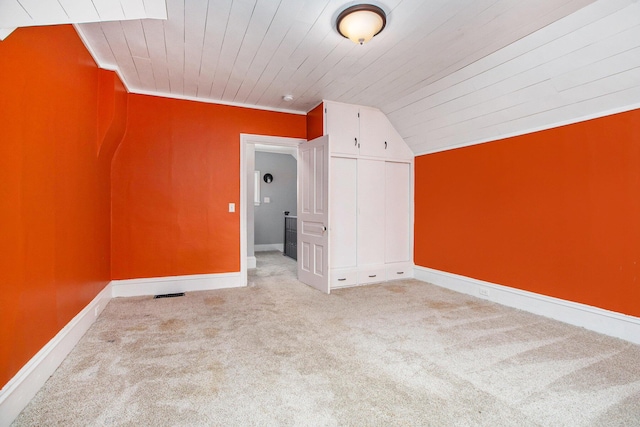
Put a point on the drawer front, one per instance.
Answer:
(343, 278)
(372, 275)
(398, 272)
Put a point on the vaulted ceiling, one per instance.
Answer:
(448, 73)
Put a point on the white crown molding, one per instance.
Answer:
(218, 102)
(534, 129)
(593, 318)
(4, 33)
(130, 89)
(315, 106)
(104, 66)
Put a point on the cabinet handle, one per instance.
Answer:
(400, 272)
(373, 275)
(385, 145)
(342, 280)
(356, 141)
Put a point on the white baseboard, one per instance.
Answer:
(251, 262)
(175, 284)
(593, 318)
(269, 247)
(19, 391)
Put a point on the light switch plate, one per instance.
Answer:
(267, 199)
(232, 207)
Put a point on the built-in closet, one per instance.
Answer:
(370, 173)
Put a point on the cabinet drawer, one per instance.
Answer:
(400, 271)
(371, 275)
(343, 278)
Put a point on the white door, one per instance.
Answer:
(313, 213)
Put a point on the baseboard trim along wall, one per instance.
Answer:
(593, 318)
(252, 262)
(19, 391)
(269, 247)
(174, 284)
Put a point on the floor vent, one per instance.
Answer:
(179, 294)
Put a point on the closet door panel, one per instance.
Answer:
(397, 212)
(342, 125)
(374, 129)
(371, 211)
(397, 149)
(343, 212)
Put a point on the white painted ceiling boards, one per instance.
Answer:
(28, 13)
(447, 73)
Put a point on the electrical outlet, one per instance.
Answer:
(483, 292)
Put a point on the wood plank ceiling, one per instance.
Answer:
(255, 51)
(447, 72)
(26, 13)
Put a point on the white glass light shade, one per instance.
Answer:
(360, 23)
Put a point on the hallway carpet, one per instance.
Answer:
(279, 353)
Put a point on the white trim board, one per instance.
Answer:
(4, 33)
(252, 262)
(175, 284)
(269, 247)
(555, 125)
(131, 89)
(19, 391)
(104, 66)
(245, 141)
(593, 318)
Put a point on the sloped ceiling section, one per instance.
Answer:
(447, 73)
(28, 13)
(253, 52)
(584, 66)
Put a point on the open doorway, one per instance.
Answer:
(257, 197)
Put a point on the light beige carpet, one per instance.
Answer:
(279, 353)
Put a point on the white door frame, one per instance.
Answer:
(246, 140)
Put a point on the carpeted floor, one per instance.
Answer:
(280, 353)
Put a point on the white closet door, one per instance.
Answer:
(397, 149)
(373, 133)
(342, 124)
(343, 213)
(371, 211)
(397, 212)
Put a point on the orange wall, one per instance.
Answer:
(54, 192)
(173, 177)
(315, 122)
(555, 212)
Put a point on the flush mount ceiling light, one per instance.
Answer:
(361, 22)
